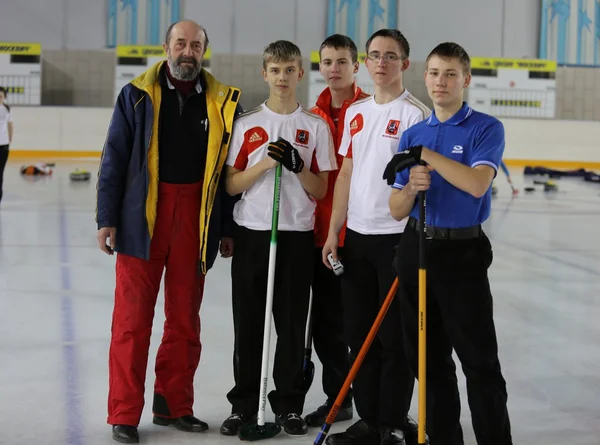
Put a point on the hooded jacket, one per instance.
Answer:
(127, 187)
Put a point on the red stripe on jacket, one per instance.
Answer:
(325, 205)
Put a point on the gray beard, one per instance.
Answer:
(183, 72)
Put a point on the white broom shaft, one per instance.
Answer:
(264, 378)
(308, 331)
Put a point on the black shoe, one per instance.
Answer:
(189, 424)
(392, 436)
(234, 423)
(292, 424)
(357, 434)
(317, 417)
(411, 432)
(125, 434)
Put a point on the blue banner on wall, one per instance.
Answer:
(570, 31)
(358, 19)
(140, 22)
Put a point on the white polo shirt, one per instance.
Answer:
(5, 118)
(371, 138)
(252, 132)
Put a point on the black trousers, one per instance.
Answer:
(459, 316)
(327, 327)
(3, 159)
(249, 273)
(384, 384)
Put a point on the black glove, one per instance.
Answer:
(284, 152)
(401, 161)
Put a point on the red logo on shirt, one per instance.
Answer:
(356, 124)
(302, 137)
(392, 127)
(254, 138)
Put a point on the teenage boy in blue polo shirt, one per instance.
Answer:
(462, 150)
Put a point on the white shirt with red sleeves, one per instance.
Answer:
(252, 132)
(371, 138)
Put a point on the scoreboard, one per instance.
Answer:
(513, 87)
(133, 60)
(21, 72)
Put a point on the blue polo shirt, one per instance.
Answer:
(469, 137)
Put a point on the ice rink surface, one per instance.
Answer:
(56, 299)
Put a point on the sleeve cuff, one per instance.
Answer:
(398, 186)
(488, 163)
(103, 224)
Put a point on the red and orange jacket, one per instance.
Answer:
(325, 205)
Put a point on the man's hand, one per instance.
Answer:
(330, 246)
(226, 247)
(419, 179)
(284, 152)
(103, 234)
(401, 161)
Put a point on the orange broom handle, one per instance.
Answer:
(356, 365)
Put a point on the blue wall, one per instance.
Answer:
(358, 19)
(570, 31)
(496, 28)
(140, 22)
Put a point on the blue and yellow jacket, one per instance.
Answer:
(127, 188)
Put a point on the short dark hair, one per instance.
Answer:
(451, 50)
(394, 34)
(172, 25)
(4, 90)
(339, 41)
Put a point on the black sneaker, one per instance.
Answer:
(411, 432)
(234, 423)
(357, 434)
(292, 424)
(392, 436)
(317, 417)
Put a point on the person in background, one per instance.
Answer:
(504, 168)
(338, 65)
(162, 206)
(6, 134)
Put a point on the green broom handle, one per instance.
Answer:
(276, 199)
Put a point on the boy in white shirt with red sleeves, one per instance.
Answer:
(278, 130)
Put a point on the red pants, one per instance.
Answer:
(175, 246)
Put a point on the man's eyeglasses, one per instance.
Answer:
(387, 58)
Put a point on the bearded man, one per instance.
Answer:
(162, 206)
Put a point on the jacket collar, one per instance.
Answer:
(458, 117)
(215, 90)
(324, 99)
(165, 81)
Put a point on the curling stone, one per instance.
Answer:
(80, 175)
(550, 186)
